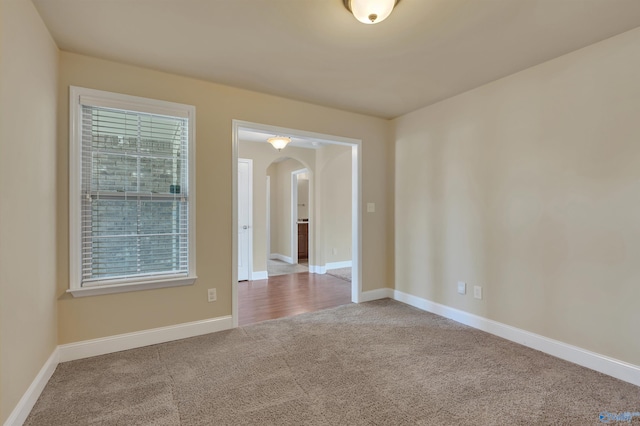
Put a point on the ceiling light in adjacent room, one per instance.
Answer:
(370, 11)
(279, 142)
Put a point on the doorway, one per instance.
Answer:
(315, 139)
(289, 227)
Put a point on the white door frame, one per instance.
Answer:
(294, 212)
(268, 251)
(249, 161)
(356, 201)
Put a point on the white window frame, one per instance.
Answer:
(79, 96)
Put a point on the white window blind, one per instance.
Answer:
(134, 195)
(131, 193)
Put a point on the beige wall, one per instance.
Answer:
(216, 106)
(529, 187)
(334, 203)
(303, 197)
(28, 90)
(272, 172)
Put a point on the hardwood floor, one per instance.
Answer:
(288, 295)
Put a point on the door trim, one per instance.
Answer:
(356, 179)
(249, 162)
(268, 208)
(294, 212)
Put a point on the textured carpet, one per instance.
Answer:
(344, 273)
(376, 363)
(278, 267)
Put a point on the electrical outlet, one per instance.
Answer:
(477, 292)
(371, 207)
(462, 287)
(211, 295)
(335, 251)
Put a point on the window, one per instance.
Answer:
(132, 197)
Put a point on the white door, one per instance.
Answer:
(244, 216)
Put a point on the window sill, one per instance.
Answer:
(135, 286)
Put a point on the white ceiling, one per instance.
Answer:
(246, 135)
(315, 51)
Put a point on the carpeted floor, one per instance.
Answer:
(344, 273)
(376, 363)
(277, 267)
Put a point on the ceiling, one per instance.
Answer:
(316, 51)
(246, 135)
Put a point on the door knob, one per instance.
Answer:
(245, 227)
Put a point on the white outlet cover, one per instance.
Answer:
(462, 287)
(371, 207)
(477, 292)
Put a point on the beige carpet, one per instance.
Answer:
(344, 273)
(377, 363)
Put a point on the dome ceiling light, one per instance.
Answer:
(279, 142)
(370, 11)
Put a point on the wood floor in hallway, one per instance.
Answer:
(288, 295)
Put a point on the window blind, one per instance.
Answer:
(134, 207)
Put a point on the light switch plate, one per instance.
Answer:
(211, 295)
(462, 287)
(371, 207)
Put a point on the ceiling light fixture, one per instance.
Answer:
(370, 11)
(279, 142)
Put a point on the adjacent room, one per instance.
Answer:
(446, 189)
(295, 224)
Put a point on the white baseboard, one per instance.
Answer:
(338, 265)
(601, 363)
(121, 342)
(282, 257)
(381, 293)
(259, 275)
(28, 400)
(317, 269)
